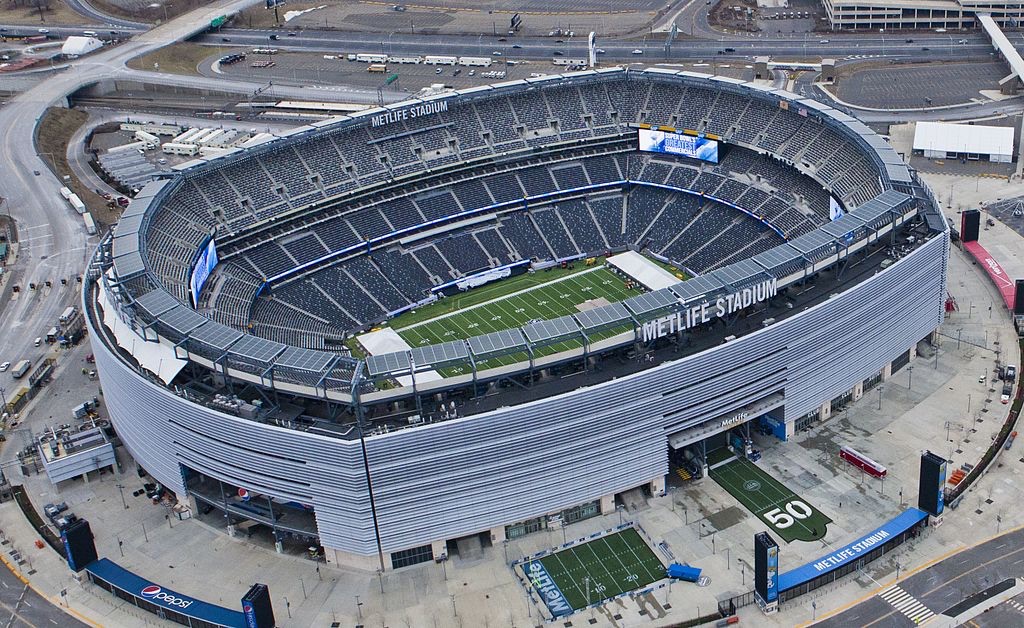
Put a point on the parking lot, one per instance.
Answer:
(905, 87)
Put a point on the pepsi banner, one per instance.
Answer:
(678, 144)
(155, 598)
(256, 606)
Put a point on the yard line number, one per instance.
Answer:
(795, 510)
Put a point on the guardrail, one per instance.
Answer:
(997, 444)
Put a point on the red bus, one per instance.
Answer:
(858, 459)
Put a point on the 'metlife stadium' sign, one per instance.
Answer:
(704, 312)
(415, 111)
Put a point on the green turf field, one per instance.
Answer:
(787, 515)
(605, 567)
(513, 303)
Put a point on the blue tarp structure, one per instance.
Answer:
(852, 551)
(683, 572)
(120, 578)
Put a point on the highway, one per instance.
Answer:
(930, 46)
(941, 585)
(53, 242)
(83, 8)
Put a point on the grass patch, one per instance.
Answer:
(144, 11)
(677, 272)
(489, 292)
(54, 12)
(180, 58)
(259, 17)
(548, 300)
(52, 139)
(597, 570)
(787, 515)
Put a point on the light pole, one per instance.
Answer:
(359, 608)
(120, 488)
(910, 377)
(880, 389)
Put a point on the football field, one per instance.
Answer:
(590, 572)
(516, 303)
(787, 515)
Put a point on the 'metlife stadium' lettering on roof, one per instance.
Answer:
(415, 111)
(703, 312)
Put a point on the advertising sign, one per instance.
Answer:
(205, 264)
(701, 148)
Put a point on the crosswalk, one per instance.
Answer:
(906, 604)
(1016, 605)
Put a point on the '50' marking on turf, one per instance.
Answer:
(795, 509)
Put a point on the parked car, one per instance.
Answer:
(4, 367)
(52, 510)
(1010, 374)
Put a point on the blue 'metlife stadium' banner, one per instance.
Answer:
(852, 551)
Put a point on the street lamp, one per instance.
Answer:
(120, 488)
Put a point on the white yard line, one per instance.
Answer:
(504, 296)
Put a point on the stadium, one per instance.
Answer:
(467, 316)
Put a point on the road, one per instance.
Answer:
(921, 47)
(940, 586)
(21, 607)
(82, 7)
(54, 245)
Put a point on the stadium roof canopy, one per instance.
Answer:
(943, 137)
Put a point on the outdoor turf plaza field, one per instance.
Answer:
(788, 516)
(578, 576)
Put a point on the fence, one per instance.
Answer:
(994, 447)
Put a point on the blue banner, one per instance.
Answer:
(138, 587)
(852, 551)
(941, 488)
(773, 574)
(549, 592)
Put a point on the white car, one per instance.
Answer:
(44, 31)
(4, 367)
(637, 51)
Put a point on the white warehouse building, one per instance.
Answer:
(942, 140)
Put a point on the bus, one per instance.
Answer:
(405, 60)
(20, 369)
(859, 460)
(372, 58)
(567, 61)
(475, 61)
(377, 67)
